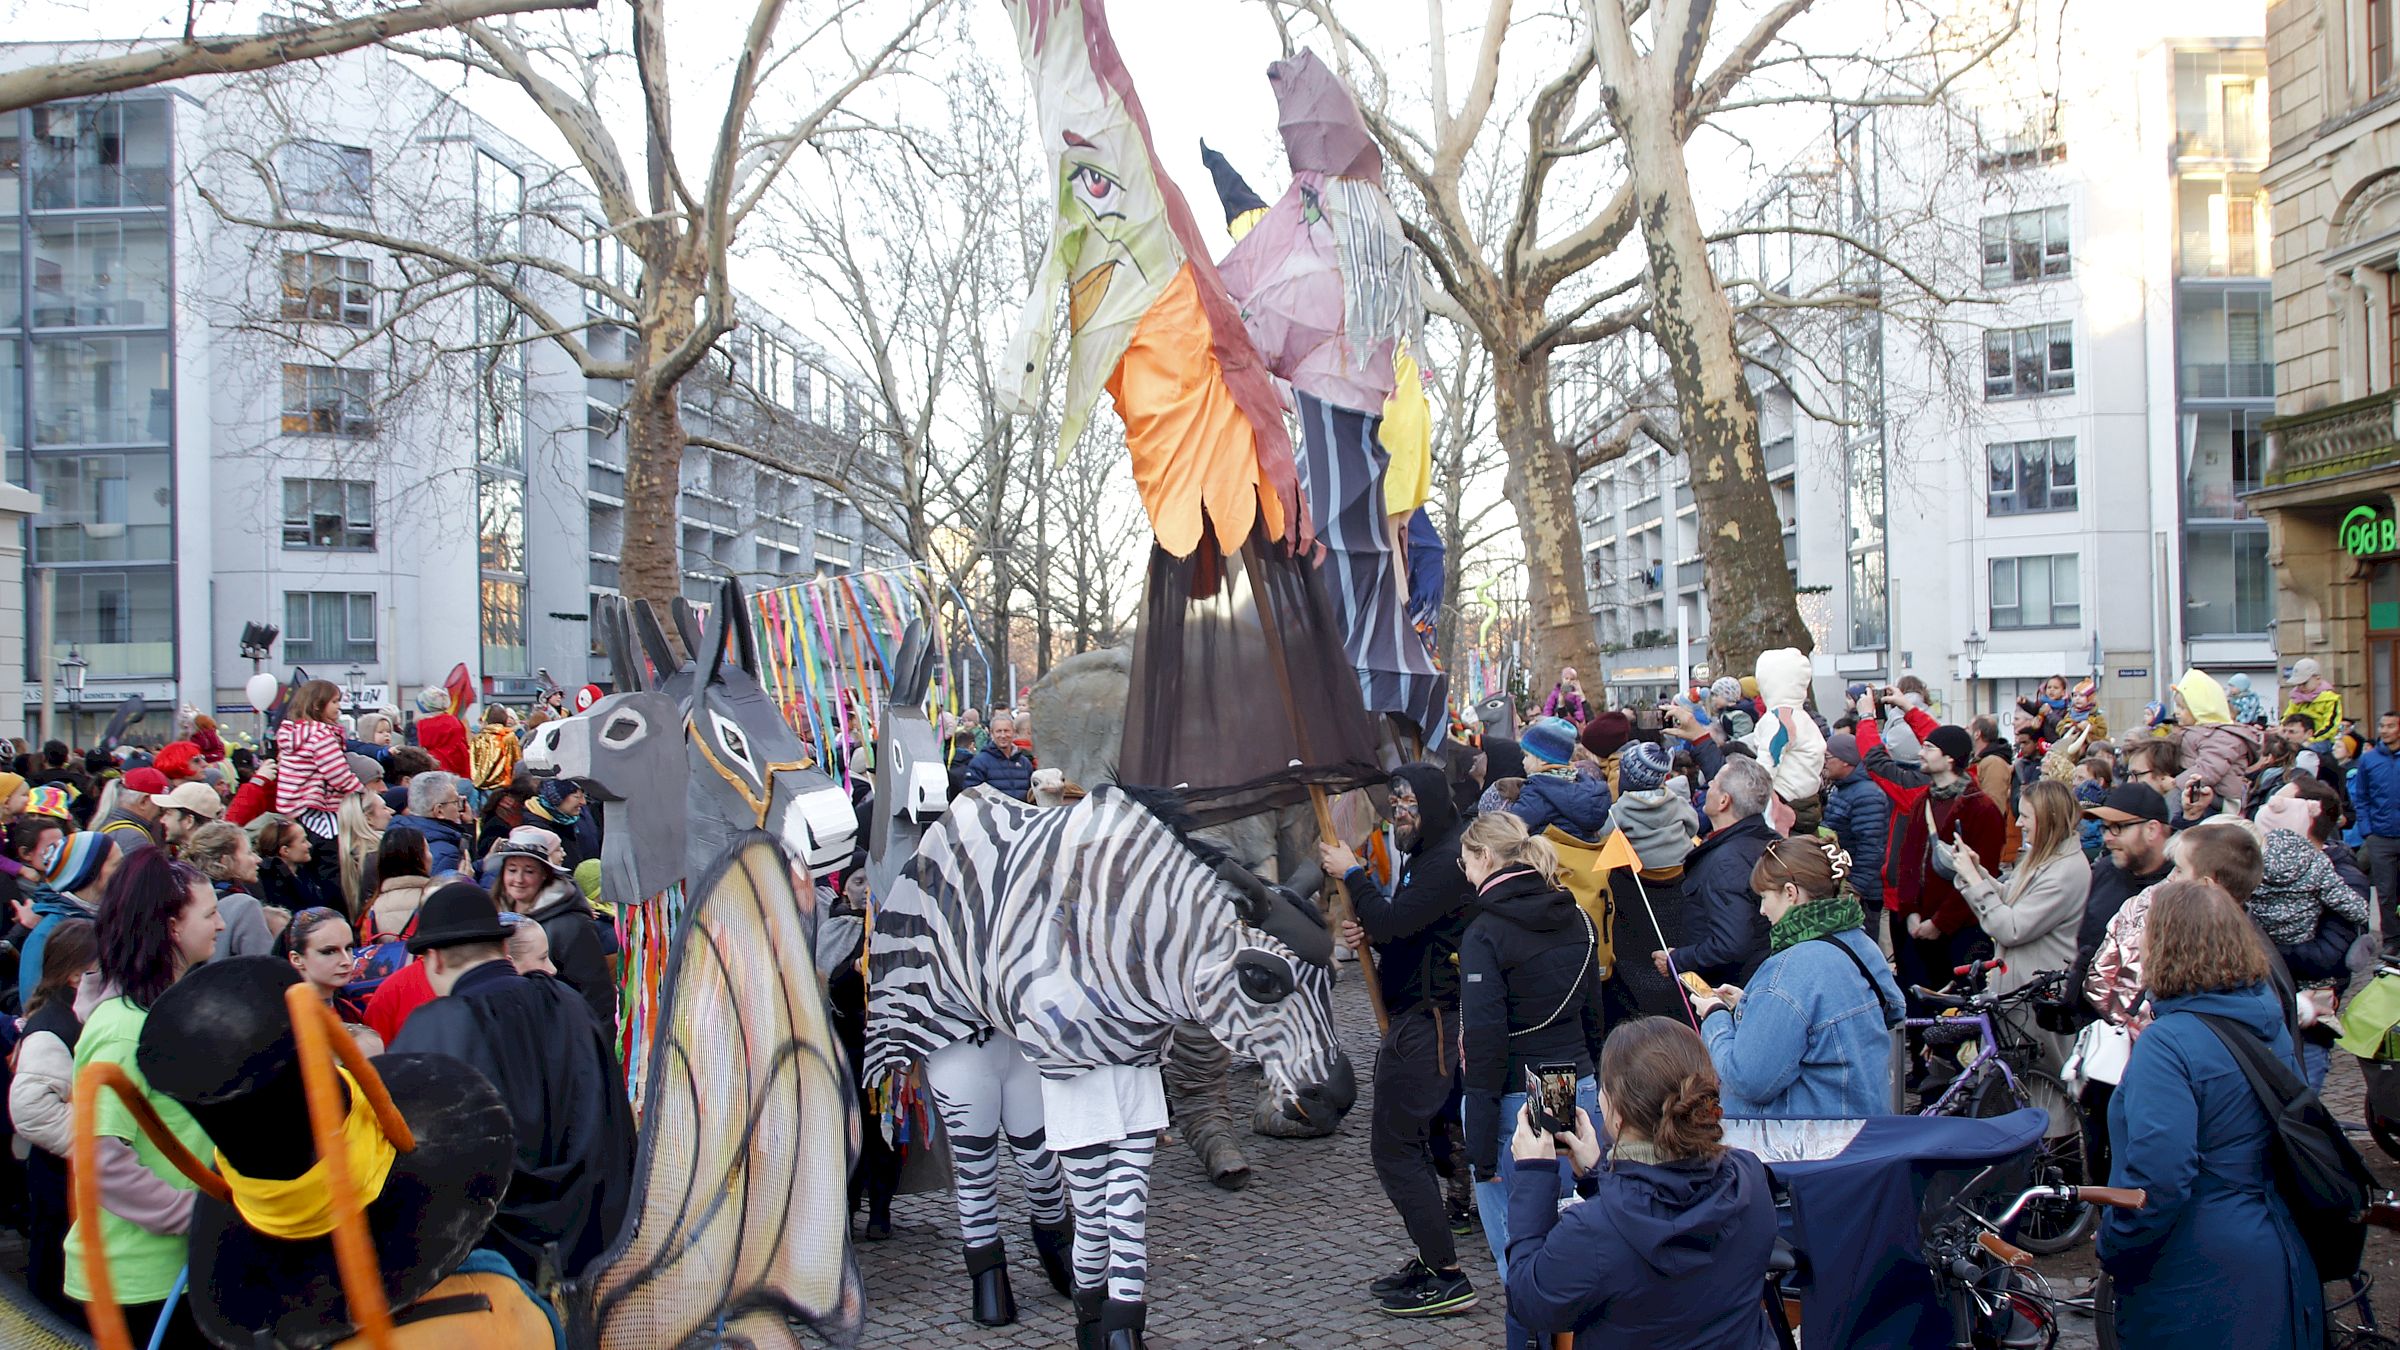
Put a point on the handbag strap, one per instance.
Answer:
(2274, 1081)
(1838, 945)
(1591, 936)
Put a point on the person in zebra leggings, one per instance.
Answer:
(1416, 931)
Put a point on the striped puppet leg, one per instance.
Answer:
(969, 1082)
(1109, 1184)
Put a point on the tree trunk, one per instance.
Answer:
(1751, 603)
(1541, 485)
(650, 566)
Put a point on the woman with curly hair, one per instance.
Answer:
(1671, 1245)
(1810, 1037)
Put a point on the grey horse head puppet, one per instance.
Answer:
(688, 756)
(912, 788)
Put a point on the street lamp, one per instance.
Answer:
(71, 671)
(357, 682)
(1973, 645)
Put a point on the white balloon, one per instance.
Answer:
(261, 689)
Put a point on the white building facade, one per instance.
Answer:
(2041, 473)
(227, 424)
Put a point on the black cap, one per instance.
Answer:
(2130, 802)
(456, 915)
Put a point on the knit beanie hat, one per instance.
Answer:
(51, 799)
(1843, 746)
(1749, 686)
(433, 700)
(1607, 733)
(1954, 742)
(1550, 740)
(555, 791)
(9, 783)
(587, 878)
(72, 862)
(1642, 766)
(1727, 688)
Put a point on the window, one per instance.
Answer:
(500, 528)
(2225, 343)
(776, 363)
(1869, 607)
(122, 621)
(499, 202)
(328, 513)
(328, 626)
(99, 273)
(2224, 456)
(2025, 246)
(500, 422)
(2222, 221)
(503, 626)
(2379, 61)
(2028, 477)
(104, 508)
(2029, 362)
(2036, 592)
(328, 401)
(2391, 328)
(100, 154)
(2228, 588)
(329, 287)
(101, 391)
(327, 179)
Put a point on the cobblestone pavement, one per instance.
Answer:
(1285, 1263)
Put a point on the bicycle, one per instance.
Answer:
(1998, 1077)
(1997, 1300)
(2349, 1323)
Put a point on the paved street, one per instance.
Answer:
(1285, 1262)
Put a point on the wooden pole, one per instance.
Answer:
(1334, 893)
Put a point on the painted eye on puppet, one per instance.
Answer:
(1097, 189)
(736, 745)
(622, 729)
(1264, 979)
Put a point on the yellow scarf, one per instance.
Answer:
(303, 1206)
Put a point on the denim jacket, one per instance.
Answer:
(1810, 1039)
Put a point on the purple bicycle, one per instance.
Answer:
(1995, 1074)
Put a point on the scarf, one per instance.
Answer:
(1814, 919)
(302, 1207)
(1942, 792)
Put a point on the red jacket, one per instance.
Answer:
(254, 798)
(1910, 885)
(445, 738)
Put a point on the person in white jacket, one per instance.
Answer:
(1787, 739)
(41, 1107)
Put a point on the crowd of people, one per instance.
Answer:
(1768, 924)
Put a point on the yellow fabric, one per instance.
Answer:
(1583, 870)
(1195, 456)
(303, 1206)
(512, 1322)
(492, 756)
(1407, 437)
(1245, 222)
(2205, 697)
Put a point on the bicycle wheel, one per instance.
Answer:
(2104, 1312)
(2386, 1131)
(2048, 1227)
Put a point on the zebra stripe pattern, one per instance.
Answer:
(977, 1182)
(1111, 1186)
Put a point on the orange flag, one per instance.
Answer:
(1616, 851)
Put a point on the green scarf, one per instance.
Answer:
(1814, 919)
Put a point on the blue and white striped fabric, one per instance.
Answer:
(1341, 470)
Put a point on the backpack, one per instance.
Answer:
(1583, 873)
(2316, 1171)
(379, 958)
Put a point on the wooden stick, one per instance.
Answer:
(1336, 894)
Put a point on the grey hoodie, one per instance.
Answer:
(1659, 823)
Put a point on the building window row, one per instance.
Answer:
(329, 288)
(2030, 477)
(2028, 362)
(2025, 246)
(321, 178)
(328, 513)
(328, 401)
(2039, 591)
(328, 626)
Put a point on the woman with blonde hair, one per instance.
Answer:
(2192, 1134)
(360, 826)
(1529, 996)
(2032, 919)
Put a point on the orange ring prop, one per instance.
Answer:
(353, 1250)
(108, 1320)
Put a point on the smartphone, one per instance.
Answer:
(1700, 988)
(1550, 1090)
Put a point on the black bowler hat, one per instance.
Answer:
(2129, 802)
(456, 915)
(220, 1042)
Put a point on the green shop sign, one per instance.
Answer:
(2367, 531)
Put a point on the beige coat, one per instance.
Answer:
(2032, 922)
(396, 903)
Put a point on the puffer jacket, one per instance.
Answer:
(41, 1095)
(2299, 888)
(1529, 995)
(1787, 739)
(2375, 792)
(1860, 816)
(1562, 797)
(1011, 775)
(2114, 983)
(2217, 750)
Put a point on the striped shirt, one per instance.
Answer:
(312, 772)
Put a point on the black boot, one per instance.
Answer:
(1121, 1325)
(987, 1266)
(1089, 1304)
(1056, 1248)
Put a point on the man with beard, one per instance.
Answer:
(1414, 931)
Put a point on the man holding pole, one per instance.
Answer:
(1415, 932)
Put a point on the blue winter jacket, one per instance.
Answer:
(1861, 817)
(1810, 1040)
(2375, 791)
(2189, 1131)
(49, 906)
(445, 843)
(1571, 801)
(1011, 774)
(1661, 1255)
(1729, 935)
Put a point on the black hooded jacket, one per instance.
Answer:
(1529, 995)
(1416, 928)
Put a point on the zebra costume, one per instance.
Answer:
(1077, 936)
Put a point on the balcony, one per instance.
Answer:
(2334, 441)
(2229, 379)
(1779, 456)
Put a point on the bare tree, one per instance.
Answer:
(1602, 143)
(313, 31)
(676, 212)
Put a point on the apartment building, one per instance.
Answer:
(228, 424)
(2041, 471)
